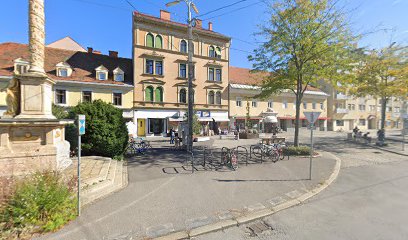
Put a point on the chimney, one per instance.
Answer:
(164, 15)
(210, 26)
(199, 23)
(113, 54)
(90, 50)
(97, 52)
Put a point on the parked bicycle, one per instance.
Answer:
(136, 146)
(272, 151)
(229, 158)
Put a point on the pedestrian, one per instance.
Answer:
(172, 134)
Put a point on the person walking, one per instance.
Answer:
(172, 134)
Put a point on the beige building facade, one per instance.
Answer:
(161, 74)
(244, 86)
(79, 76)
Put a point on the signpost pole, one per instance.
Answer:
(81, 131)
(311, 151)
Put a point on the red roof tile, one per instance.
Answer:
(82, 63)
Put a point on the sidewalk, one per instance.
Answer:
(163, 196)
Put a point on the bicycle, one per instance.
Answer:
(135, 147)
(229, 158)
(273, 151)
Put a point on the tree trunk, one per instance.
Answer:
(297, 120)
(383, 109)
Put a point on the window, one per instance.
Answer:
(149, 94)
(149, 66)
(239, 102)
(183, 46)
(183, 96)
(86, 96)
(102, 75)
(351, 107)
(211, 74)
(218, 75)
(372, 108)
(362, 122)
(211, 97)
(159, 42)
(313, 105)
(396, 109)
(118, 77)
(322, 106)
(159, 68)
(22, 68)
(218, 98)
(149, 40)
(183, 70)
(159, 94)
(63, 72)
(218, 52)
(117, 99)
(389, 109)
(340, 123)
(254, 103)
(211, 51)
(304, 105)
(270, 104)
(284, 104)
(60, 96)
(361, 107)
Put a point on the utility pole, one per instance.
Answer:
(190, 111)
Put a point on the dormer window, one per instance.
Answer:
(21, 66)
(118, 74)
(63, 69)
(101, 73)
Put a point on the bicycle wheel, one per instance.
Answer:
(281, 154)
(129, 151)
(234, 162)
(273, 155)
(257, 151)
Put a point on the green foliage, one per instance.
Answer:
(196, 123)
(59, 112)
(308, 41)
(297, 151)
(40, 203)
(106, 131)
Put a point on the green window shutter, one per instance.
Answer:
(149, 40)
(159, 42)
(149, 94)
(159, 94)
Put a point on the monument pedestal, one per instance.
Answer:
(29, 145)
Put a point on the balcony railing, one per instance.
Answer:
(342, 110)
(341, 96)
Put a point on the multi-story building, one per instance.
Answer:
(244, 86)
(79, 76)
(346, 112)
(161, 73)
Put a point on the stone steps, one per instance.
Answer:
(115, 178)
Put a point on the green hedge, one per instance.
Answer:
(106, 132)
(297, 151)
(40, 203)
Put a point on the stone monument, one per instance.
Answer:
(31, 138)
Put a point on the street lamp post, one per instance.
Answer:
(190, 20)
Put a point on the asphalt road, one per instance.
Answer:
(367, 201)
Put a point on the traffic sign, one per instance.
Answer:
(81, 124)
(312, 116)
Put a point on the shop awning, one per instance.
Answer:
(270, 119)
(215, 118)
(174, 119)
(371, 117)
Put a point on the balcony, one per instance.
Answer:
(342, 110)
(341, 96)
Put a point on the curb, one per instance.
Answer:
(383, 149)
(221, 225)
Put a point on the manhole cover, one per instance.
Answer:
(258, 228)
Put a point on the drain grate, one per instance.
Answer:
(258, 228)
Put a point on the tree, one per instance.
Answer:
(383, 74)
(106, 131)
(196, 123)
(307, 41)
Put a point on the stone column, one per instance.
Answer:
(36, 86)
(36, 35)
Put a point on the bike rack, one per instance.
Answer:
(246, 153)
(251, 149)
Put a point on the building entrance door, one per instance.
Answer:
(141, 127)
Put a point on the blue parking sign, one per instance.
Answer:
(81, 124)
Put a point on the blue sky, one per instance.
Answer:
(106, 24)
